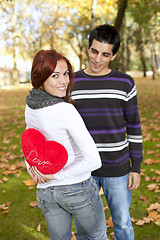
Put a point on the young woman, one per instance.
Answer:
(71, 191)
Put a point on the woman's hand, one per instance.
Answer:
(35, 176)
(41, 176)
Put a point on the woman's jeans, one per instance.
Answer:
(119, 200)
(81, 200)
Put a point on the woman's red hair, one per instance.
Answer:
(44, 64)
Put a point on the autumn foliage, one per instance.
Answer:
(145, 208)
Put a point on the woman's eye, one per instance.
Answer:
(67, 73)
(55, 75)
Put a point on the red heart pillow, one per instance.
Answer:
(48, 156)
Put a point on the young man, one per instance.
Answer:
(107, 102)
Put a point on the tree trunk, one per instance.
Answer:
(15, 80)
(124, 48)
(153, 63)
(143, 64)
(122, 5)
(93, 17)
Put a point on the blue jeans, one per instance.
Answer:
(119, 199)
(81, 200)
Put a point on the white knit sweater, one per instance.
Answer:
(62, 123)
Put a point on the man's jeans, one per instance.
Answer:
(82, 200)
(119, 200)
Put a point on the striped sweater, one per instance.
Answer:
(108, 105)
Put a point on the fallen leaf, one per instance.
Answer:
(105, 208)
(152, 187)
(109, 222)
(154, 206)
(149, 161)
(101, 191)
(140, 222)
(39, 227)
(8, 203)
(112, 235)
(144, 198)
(4, 179)
(147, 220)
(157, 222)
(6, 173)
(149, 152)
(157, 172)
(33, 204)
(133, 220)
(73, 236)
(4, 212)
(153, 215)
(29, 182)
(5, 206)
(147, 179)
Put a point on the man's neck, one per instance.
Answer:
(90, 72)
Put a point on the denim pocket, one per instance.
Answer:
(69, 192)
(79, 204)
(81, 207)
(79, 198)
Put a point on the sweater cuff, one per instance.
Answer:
(136, 167)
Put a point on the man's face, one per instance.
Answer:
(100, 54)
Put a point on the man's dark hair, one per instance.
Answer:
(107, 34)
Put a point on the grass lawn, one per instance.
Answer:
(20, 219)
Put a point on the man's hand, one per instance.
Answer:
(134, 180)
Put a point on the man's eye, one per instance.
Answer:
(106, 55)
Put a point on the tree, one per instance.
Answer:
(86, 15)
(147, 27)
(13, 34)
(122, 5)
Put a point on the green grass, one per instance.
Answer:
(21, 221)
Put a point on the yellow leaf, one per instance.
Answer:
(29, 182)
(157, 222)
(4, 212)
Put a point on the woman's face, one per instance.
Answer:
(58, 81)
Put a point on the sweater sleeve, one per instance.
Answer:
(133, 127)
(90, 159)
